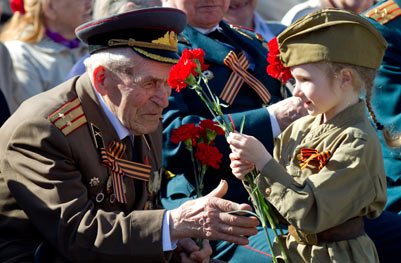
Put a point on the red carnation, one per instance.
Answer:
(17, 6)
(276, 69)
(208, 155)
(179, 74)
(210, 129)
(185, 132)
(199, 55)
(188, 67)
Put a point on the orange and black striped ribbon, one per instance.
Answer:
(239, 65)
(112, 158)
(312, 156)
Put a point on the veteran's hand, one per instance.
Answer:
(188, 251)
(205, 218)
(287, 111)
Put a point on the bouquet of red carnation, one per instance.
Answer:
(199, 141)
(190, 71)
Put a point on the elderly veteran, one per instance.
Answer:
(81, 164)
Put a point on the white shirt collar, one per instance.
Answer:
(122, 132)
(207, 31)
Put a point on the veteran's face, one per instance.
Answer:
(201, 13)
(240, 12)
(356, 6)
(319, 92)
(138, 95)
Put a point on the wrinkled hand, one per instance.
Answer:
(287, 111)
(188, 252)
(205, 218)
(246, 151)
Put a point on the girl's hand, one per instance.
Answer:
(240, 168)
(247, 150)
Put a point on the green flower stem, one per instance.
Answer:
(263, 210)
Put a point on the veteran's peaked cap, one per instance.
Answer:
(151, 32)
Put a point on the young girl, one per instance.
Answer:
(327, 172)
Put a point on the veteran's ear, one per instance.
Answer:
(99, 75)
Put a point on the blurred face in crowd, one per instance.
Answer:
(136, 92)
(201, 13)
(356, 6)
(240, 12)
(63, 16)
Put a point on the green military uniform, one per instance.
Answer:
(385, 231)
(52, 182)
(351, 185)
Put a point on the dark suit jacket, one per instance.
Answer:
(46, 193)
(186, 107)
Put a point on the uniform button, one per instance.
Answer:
(268, 191)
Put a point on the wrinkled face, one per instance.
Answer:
(319, 92)
(241, 11)
(356, 6)
(138, 95)
(201, 13)
(68, 14)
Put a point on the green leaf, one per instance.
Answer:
(241, 127)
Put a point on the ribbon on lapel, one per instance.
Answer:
(119, 167)
(314, 157)
(239, 65)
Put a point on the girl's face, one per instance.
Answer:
(320, 91)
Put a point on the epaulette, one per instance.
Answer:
(69, 117)
(385, 12)
(244, 31)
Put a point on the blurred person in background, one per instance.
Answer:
(42, 44)
(6, 79)
(104, 8)
(242, 13)
(385, 231)
(299, 10)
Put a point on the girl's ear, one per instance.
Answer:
(99, 76)
(347, 76)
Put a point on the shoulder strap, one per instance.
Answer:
(68, 117)
(384, 12)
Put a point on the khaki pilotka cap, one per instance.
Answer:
(332, 35)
